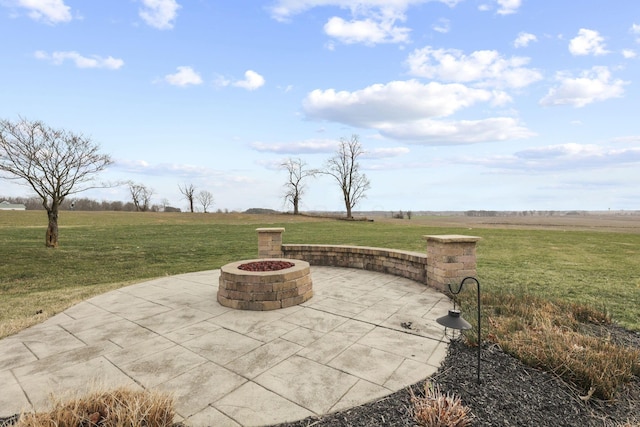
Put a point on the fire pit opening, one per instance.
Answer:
(264, 284)
(270, 265)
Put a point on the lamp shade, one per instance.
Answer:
(453, 320)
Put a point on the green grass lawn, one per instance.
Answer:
(100, 251)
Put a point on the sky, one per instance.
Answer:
(458, 104)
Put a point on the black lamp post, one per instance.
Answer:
(454, 319)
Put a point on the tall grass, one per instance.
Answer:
(557, 337)
(121, 407)
(437, 409)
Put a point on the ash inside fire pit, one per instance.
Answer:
(269, 265)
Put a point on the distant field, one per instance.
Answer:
(629, 223)
(587, 259)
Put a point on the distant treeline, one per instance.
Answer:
(85, 204)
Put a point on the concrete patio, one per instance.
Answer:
(362, 336)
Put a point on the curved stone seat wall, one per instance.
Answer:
(412, 265)
(448, 259)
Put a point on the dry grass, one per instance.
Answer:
(44, 304)
(121, 407)
(597, 367)
(551, 336)
(439, 410)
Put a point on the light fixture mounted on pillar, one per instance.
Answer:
(454, 318)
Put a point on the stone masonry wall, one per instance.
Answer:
(412, 265)
(448, 259)
(269, 242)
(451, 258)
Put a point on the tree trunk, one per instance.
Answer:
(347, 203)
(52, 229)
(295, 205)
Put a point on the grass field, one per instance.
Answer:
(585, 261)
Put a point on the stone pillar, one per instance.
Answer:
(450, 258)
(270, 242)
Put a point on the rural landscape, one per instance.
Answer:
(551, 285)
(386, 148)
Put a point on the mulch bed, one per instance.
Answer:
(510, 394)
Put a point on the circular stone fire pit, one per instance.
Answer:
(264, 284)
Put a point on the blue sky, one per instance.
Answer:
(459, 104)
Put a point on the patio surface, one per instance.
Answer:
(362, 336)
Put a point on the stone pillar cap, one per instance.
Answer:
(272, 230)
(452, 238)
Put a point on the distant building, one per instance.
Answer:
(6, 206)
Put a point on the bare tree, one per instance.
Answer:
(55, 163)
(344, 167)
(140, 196)
(188, 191)
(294, 187)
(206, 199)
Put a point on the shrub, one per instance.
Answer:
(118, 408)
(438, 410)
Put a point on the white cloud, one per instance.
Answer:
(252, 81)
(508, 7)
(628, 53)
(412, 110)
(524, 39)
(185, 76)
(591, 86)
(283, 10)
(587, 42)
(309, 146)
(562, 150)
(48, 11)
(485, 67)
(397, 100)
(372, 21)
(384, 153)
(94, 61)
(221, 81)
(181, 170)
(442, 26)
(635, 29)
(159, 14)
(321, 146)
(569, 156)
(440, 132)
(367, 31)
